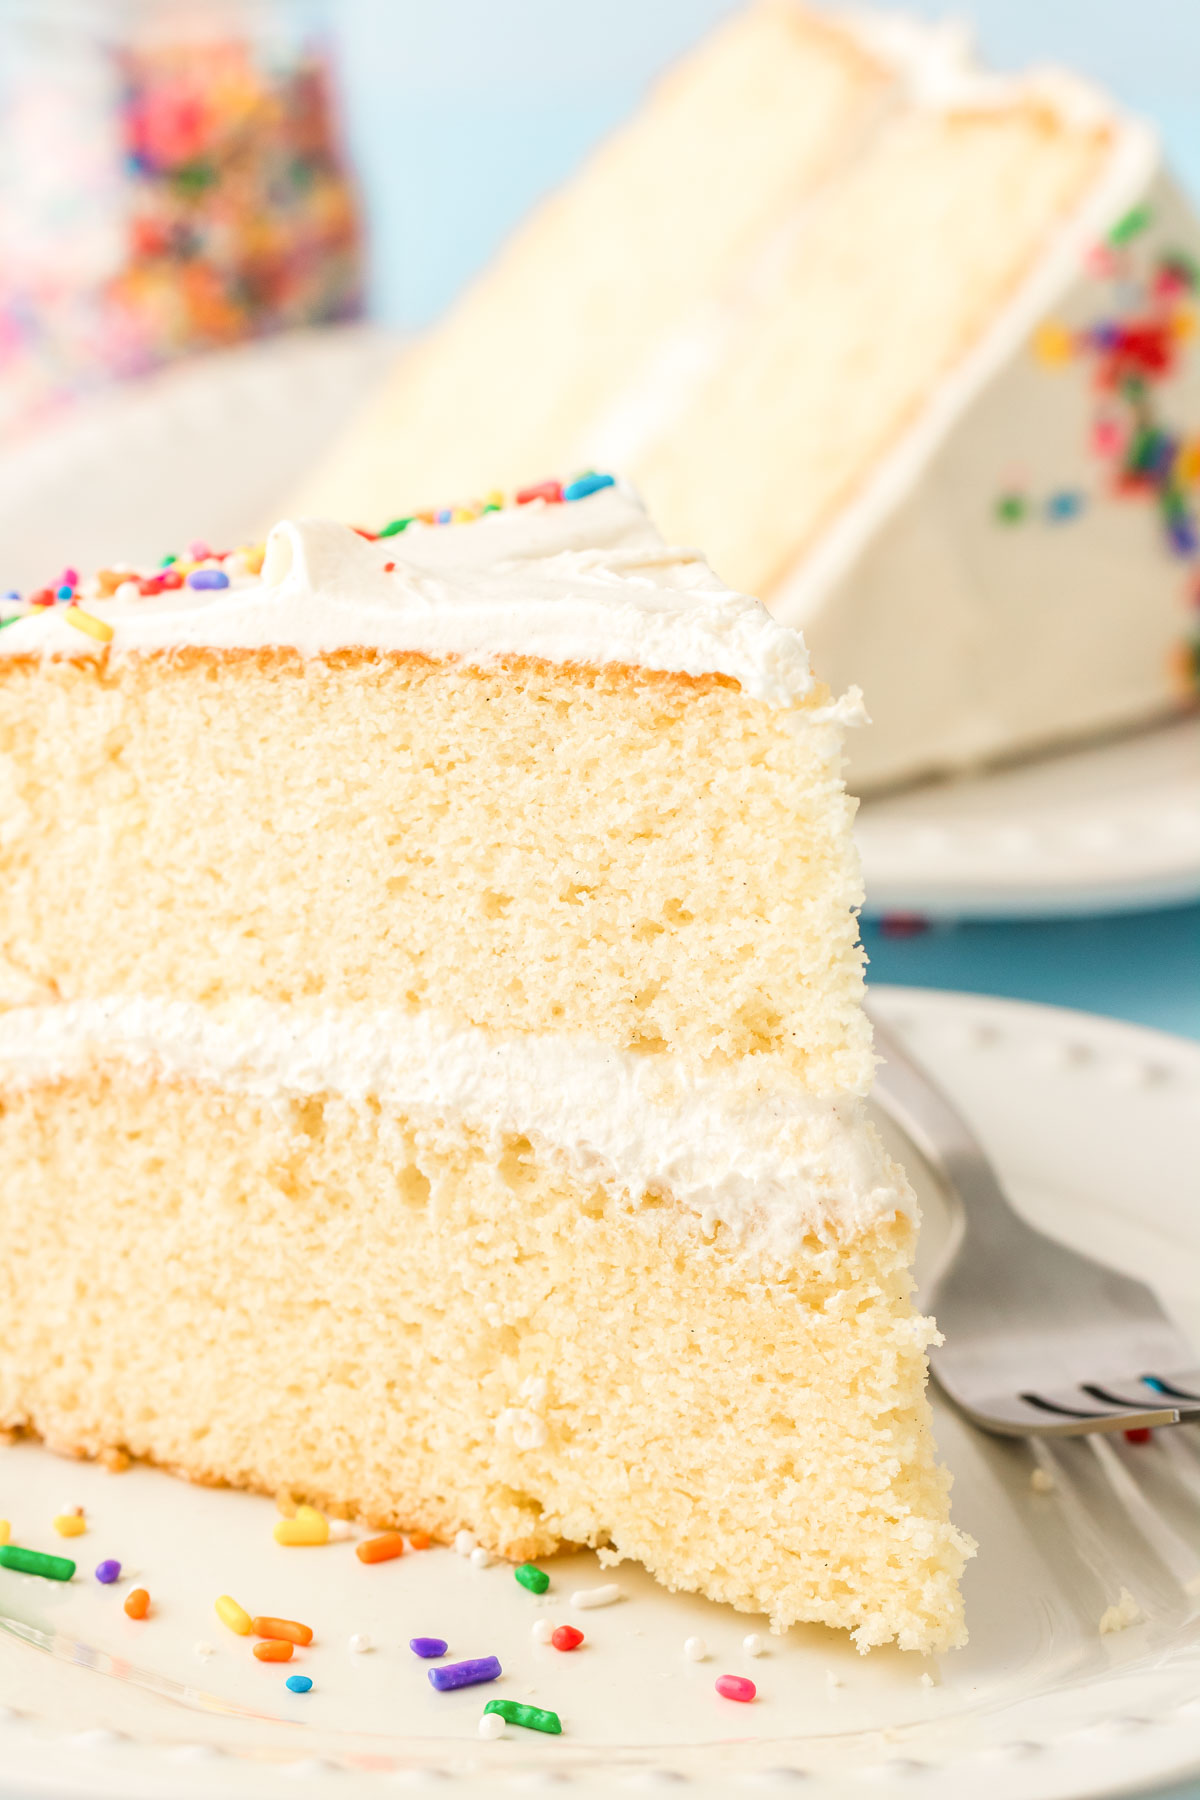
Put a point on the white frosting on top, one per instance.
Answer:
(589, 581)
(768, 1162)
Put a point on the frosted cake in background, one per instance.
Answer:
(906, 348)
(432, 1061)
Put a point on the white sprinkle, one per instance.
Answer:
(1041, 1481)
(340, 1530)
(695, 1649)
(464, 1542)
(203, 1650)
(754, 1644)
(360, 1643)
(542, 1631)
(481, 1558)
(127, 590)
(491, 1726)
(597, 1596)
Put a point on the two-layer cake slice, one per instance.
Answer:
(433, 1062)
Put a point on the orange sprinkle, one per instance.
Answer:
(138, 1604)
(284, 1629)
(274, 1650)
(380, 1549)
(419, 1540)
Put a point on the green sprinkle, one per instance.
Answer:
(164, 562)
(531, 1577)
(1010, 509)
(515, 1712)
(397, 525)
(1134, 221)
(32, 1562)
(491, 507)
(11, 619)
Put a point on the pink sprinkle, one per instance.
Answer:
(198, 550)
(1106, 437)
(69, 578)
(735, 1687)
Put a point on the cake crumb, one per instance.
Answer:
(832, 1680)
(115, 1461)
(927, 1680)
(203, 1650)
(1123, 1612)
(1041, 1481)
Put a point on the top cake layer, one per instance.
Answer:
(589, 582)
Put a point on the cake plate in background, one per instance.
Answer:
(1092, 1124)
(212, 449)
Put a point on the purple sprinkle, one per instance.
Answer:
(208, 578)
(427, 1646)
(465, 1674)
(108, 1570)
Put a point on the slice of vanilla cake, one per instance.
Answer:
(432, 1060)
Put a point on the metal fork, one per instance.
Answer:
(1040, 1341)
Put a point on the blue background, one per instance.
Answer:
(462, 112)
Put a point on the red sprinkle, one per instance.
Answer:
(542, 490)
(735, 1687)
(364, 533)
(1141, 1434)
(42, 597)
(169, 579)
(567, 1638)
(388, 567)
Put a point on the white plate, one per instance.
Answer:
(1112, 827)
(1093, 1124)
(214, 448)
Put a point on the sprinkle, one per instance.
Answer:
(388, 568)
(695, 1649)
(274, 1650)
(308, 1527)
(340, 1530)
(35, 1562)
(754, 1644)
(88, 622)
(543, 1632)
(65, 592)
(5, 1531)
(208, 578)
(137, 1604)
(1053, 345)
(284, 1629)
(1130, 225)
(1041, 1481)
(443, 517)
(70, 578)
(233, 1615)
(108, 1571)
(197, 550)
(298, 1684)
(395, 526)
(585, 485)
(70, 1524)
(534, 1718)
(584, 1598)
(550, 491)
(12, 619)
(465, 1674)
(1011, 509)
(481, 1558)
(735, 1687)
(42, 597)
(128, 590)
(419, 1540)
(380, 1549)
(531, 1577)
(1064, 505)
(360, 1643)
(464, 1542)
(567, 1637)
(1141, 1434)
(491, 1725)
(427, 1647)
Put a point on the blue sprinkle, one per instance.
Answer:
(427, 1646)
(65, 592)
(465, 1674)
(108, 1570)
(1067, 505)
(299, 1684)
(444, 517)
(587, 484)
(11, 594)
(208, 578)
(1182, 533)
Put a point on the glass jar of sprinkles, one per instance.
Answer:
(171, 179)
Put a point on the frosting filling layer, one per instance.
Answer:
(590, 582)
(770, 1163)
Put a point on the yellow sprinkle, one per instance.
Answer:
(233, 1615)
(5, 1531)
(97, 628)
(495, 498)
(1184, 322)
(1053, 344)
(308, 1527)
(1187, 462)
(254, 553)
(461, 515)
(70, 1524)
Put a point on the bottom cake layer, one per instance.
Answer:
(441, 1330)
